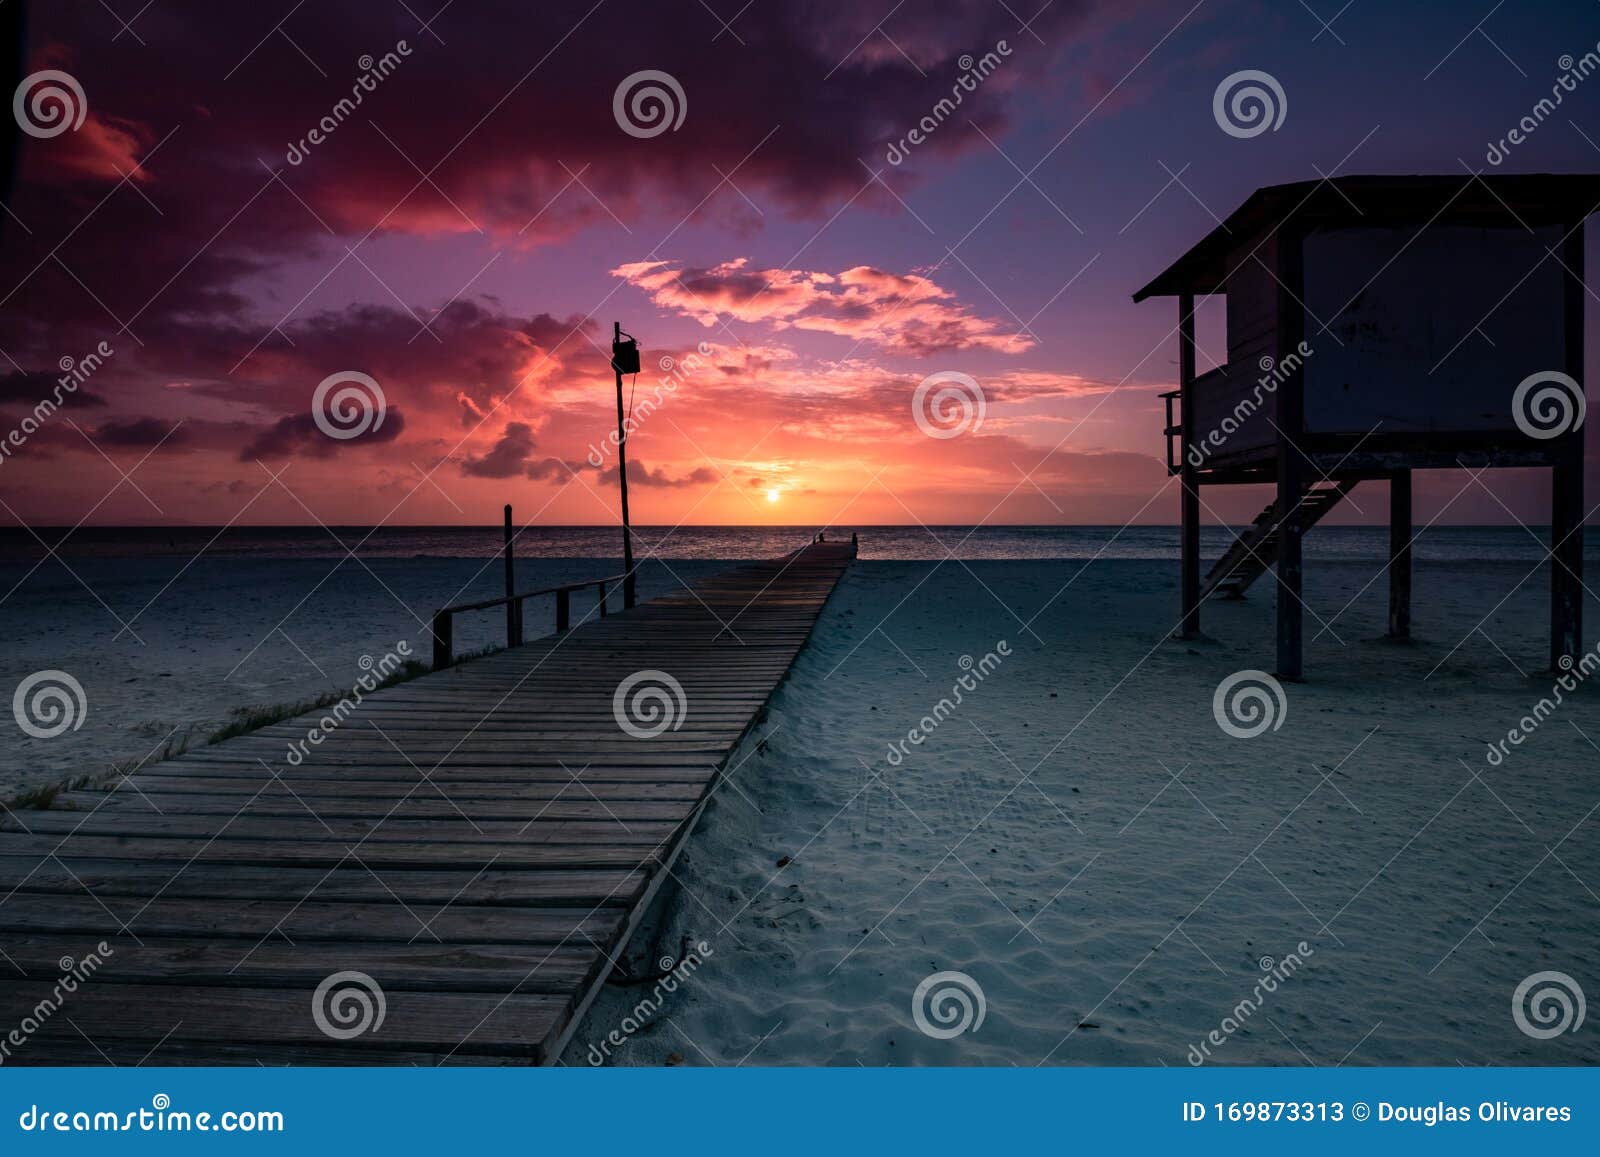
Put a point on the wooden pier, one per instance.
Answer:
(478, 844)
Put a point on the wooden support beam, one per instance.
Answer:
(1400, 554)
(1291, 575)
(1566, 483)
(513, 606)
(1290, 418)
(563, 609)
(1566, 563)
(443, 640)
(1190, 582)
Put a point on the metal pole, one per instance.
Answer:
(622, 478)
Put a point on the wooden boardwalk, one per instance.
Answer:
(479, 842)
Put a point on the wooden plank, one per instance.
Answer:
(62, 1050)
(421, 967)
(641, 765)
(456, 829)
(481, 841)
(153, 787)
(300, 920)
(576, 804)
(512, 1025)
(111, 877)
(331, 853)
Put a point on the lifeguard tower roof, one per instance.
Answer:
(1533, 198)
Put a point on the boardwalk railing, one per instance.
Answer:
(444, 618)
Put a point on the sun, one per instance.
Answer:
(772, 496)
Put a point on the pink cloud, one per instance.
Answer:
(905, 313)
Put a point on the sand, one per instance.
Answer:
(229, 633)
(1109, 867)
(1079, 836)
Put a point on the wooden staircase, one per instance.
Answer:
(1253, 552)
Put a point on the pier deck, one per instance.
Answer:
(479, 843)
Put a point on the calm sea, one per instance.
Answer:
(743, 542)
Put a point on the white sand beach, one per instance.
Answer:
(1083, 840)
(1079, 836)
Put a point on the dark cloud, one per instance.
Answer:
(507, 458)
(471, 352)
(31, 387)
(165, 205)
(299, 434)
(553, 469)
(512, 456)
(641, 475)
(140, 434)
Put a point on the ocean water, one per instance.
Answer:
(1441, 543)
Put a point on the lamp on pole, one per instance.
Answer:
(624, 360)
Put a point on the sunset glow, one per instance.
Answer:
(792, 278)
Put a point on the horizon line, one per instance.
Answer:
(613, 527)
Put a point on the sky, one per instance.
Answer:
(460, 241)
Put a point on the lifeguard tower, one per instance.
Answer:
(1376, 326)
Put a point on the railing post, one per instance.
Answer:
(513, 607)
(443, 643)
(600, 589)
(563, 609)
